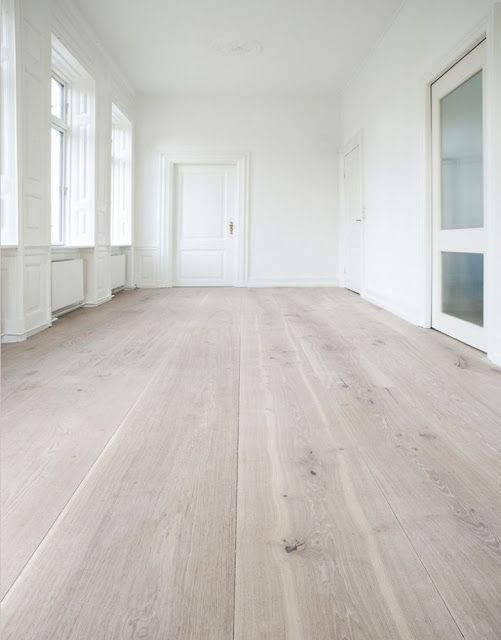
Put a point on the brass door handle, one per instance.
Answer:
(232, 226)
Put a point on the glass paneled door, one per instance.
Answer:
(459, 235)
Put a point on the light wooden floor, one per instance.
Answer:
(210, 464)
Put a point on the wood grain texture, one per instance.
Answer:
(63, 398)
(357, 459)
(146, 546)
(429, 431)
(328, 559)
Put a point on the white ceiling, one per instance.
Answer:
(239, 47)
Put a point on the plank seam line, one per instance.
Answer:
(400, 524)
(236, 470)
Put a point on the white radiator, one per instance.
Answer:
(117, 271)
(67, 284)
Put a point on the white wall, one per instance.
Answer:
(293, 178)
(26, 266)
(387, 100)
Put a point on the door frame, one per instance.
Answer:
(470, 240)
(488, 29)
(356, 141)
(168, 163)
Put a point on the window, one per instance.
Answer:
(72, 150)
(121, 179)
(59, 132)
(8, 137)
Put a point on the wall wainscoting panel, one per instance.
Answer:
(146, 266)
(36, 280)
(11, 315)
(103, 273)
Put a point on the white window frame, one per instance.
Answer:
(62, 125)
(79, 129)
(121, 180)
(8, 128)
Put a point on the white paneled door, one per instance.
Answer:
(459, 230)
(354, 214)
(206, 226)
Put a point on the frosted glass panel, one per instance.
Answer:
(462, 156)
(463, 286)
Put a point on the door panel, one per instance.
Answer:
(459, 234)
(203, 204)
(353, 218)
(206, 227)
(202, 264)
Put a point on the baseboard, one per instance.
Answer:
(151, 285)
(495, 358)
(8, 338)
(252, 283)
(61, 312)
(392, 306)
(99, 302)
(302, 282)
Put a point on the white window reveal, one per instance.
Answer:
(121, 179)
(8, 137)
(58, 178)
(72, 150)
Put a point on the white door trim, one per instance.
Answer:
(353, 143)
(490, 29)
(470, 240)
(168, 162)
